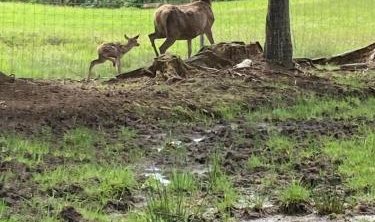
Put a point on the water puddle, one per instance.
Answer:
(156, 173)
(198, 139)
(200, 170)
(249, 199)
(176, 143)
(217, 128)
(159, 177)
(234, 126)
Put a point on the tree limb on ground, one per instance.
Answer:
(5, 78)
(359, 59)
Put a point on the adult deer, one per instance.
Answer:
(182, 22)
(113, 52)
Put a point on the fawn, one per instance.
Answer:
(113, 52)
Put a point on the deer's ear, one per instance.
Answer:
(136, 37)
(126, 37)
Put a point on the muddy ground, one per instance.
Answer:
(27, 105)
(189, 112)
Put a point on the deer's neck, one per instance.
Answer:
(126, 48)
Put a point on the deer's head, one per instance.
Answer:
(132, 42)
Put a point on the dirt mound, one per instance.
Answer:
(70, 214)
(122, 201)
(27, 105)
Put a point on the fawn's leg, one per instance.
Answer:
(167, 43)
(94, 63)
(118, 64)
(189, 47)
(113, 60)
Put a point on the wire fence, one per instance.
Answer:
(59, 39)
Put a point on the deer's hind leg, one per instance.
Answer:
(209, 36)
(153, 37)
(93, 63)
(201, 40)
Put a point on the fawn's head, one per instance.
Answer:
(132, 42)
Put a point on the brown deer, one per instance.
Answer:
(113, 52)
(182, 22)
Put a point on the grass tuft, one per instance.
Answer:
(255, 162)
(293, 197)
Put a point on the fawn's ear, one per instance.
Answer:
(136, 37)
(126, 37)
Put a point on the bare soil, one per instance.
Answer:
(27, 106)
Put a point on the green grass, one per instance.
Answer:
(44, 41)
(127, 134)
(293, 195)
(329, 202)
(3, 210)
(357, 161)
(172, 202)
(97, 180)
(183, 182)
(313, 107)
(255, 162)
(221, 183)
(163, 206)
(27, 151)
(79, 143)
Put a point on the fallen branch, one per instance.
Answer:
(361, 55)
(5, 78)
(354, 67)
(138, 73)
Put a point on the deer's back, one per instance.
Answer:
(110, 49)
(184, 21)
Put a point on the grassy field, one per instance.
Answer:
(219, 146)
(51, 42)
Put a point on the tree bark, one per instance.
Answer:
(278, 47)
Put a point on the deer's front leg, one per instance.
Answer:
(189, 47)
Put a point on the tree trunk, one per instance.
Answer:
(278, 47)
